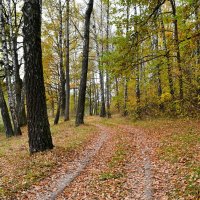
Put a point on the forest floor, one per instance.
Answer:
(106, 159)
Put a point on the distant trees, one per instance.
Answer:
(137, 58)
(157, 56)
(38, 124)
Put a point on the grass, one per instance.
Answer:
(180, 144)
(182, 150)
(118, 158)
(19, 170)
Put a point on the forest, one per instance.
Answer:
(100, 99)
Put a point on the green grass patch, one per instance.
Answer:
(181, 148)
(119, 156)
(108, 175)
(114, 165)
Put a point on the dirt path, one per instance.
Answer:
(136, 177)
(142, 177)
(139, 166)
(60, 181)
(148, 176)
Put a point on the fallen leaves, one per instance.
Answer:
(19, 170)
(158, 159)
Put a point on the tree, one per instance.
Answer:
(169, 70)
(5, 115)
(107, 49)
(67, 105)
(38, 124)
(18, 84)
(3, 106)
(101, 77)
(83, 81)
(11, 100)
(61, 70)
(177, 47)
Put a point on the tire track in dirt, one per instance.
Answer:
(148, 176)
(59, 183)
(139, 167)
(86, 186)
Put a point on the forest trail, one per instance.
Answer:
(118, 164)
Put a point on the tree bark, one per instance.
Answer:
(56, 120)
(107, 75)
(90, 98)
(5, 115)
(95, 95)
(83, 82)
(18, 84)
(178, 55)
(22, 110)
(67, 105)
(117, 93)
(125, 111)
(103, 107)
(137, 89)
(62, 74)
(169, 70)
(158, 70)
(197, 29)
(38, 125)
(17, 130)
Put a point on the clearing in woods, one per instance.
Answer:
(107, 159)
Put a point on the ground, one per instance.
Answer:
(106, 159)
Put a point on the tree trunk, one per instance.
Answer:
(103, 107)
(38, 124)
(75, 97)
(17, 130)
(96, 95)
(125, 112)
(18, 84)
(90, 99)
(22, 110)
(197, 29)
(62, 74)
(107, 75)
(169, 70)
(198, 49)
(56, 120)
(137, 85)
(52, 108)
(5, 115)
(158, 70)
(83, 82)
(178, 55)
(117, 93)
(67, 106)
